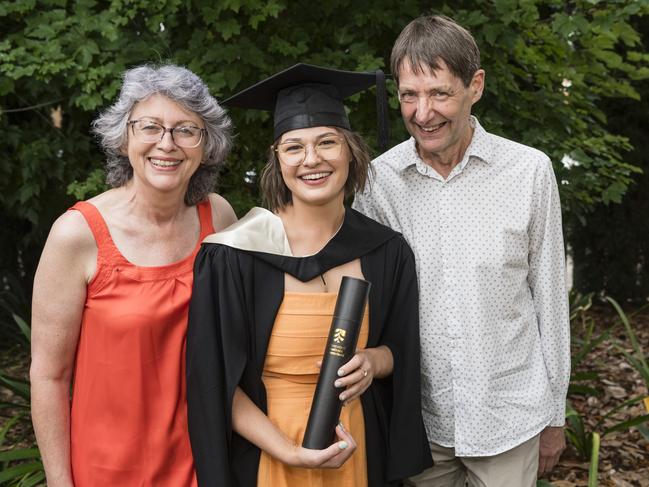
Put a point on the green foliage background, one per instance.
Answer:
(554, 69)
(611, 250)
(570, 77)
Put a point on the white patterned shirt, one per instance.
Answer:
(494, 325)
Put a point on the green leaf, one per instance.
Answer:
(93, 185)
(228, 28)
(17, 386)
(19, 454)
(639, 354)
(6, 86)
(474, 18)
(18, 471)
(24, 327)
(286, 48)
(625, 425)
(578, 389)
(491, 33)
(614, 193)
(42, 31)
(644, 431)
(579, 376)
(33, 479)
(7, 426)
(619, 407)
(594, 461)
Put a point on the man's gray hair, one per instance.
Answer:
(427, 39)
(185, 88)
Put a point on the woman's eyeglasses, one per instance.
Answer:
(187, 136)
(294, 153)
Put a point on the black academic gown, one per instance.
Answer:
(234, 303)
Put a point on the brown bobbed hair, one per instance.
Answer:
(276, 194)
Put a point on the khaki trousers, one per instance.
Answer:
(514, 468)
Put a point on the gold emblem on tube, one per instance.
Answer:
(339, 335)
(337, 346)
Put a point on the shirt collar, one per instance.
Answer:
(480, 147)
(481, 144)
(409, 157)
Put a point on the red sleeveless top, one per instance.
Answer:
(129, 411)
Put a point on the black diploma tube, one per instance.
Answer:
(341, 346)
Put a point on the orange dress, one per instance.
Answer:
(290, 375)
(129, 411)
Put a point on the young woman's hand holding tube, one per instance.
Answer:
(357, 375)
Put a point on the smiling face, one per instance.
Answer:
(318, 180)
(436, 109)
(163, 166)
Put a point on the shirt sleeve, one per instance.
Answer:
(363, 203)
(547, 282)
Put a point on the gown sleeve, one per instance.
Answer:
(408, 449)
(216, 357)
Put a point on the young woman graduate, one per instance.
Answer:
(263, 298)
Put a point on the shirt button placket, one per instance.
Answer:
(451, 319)
(446, 253)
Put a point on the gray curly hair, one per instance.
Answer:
(182, 86)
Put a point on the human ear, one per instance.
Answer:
(477, 85)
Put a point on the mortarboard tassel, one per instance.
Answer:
(382, 111)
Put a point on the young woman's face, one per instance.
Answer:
(315, 164)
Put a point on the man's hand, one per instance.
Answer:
(552, 442)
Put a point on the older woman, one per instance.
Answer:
(112, 289)
(264, 295)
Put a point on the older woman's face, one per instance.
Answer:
(314, 164)
(163, 165)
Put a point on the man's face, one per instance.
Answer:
(436, 109)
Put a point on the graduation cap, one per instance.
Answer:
(305, 95)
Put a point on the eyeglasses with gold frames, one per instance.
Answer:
(294, 153)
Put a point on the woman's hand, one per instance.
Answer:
(332, 457)
(251, 423)
(357, 374)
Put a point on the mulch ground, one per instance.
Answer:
(14, 362)
(624, 456)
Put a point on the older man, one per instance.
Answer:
(482, 215)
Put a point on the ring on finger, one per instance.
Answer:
(364, 373)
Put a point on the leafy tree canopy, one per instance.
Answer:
(550, 64)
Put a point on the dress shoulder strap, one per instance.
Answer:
(106, 249)
(205, 217)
